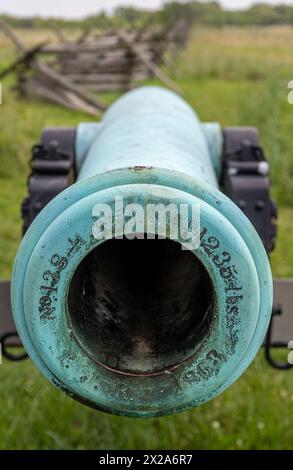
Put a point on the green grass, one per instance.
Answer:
(238, 53)
(236, 77)
(255, 413)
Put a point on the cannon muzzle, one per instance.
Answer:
(142, 289)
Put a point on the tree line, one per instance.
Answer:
(192, 12)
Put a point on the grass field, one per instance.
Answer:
(236, 77)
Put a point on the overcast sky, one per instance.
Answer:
(81, 8)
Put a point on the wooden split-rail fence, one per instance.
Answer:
(71, 73)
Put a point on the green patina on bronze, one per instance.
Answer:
(140, 327)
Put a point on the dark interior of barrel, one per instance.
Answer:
(140, 306)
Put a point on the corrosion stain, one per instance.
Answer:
(141, 168)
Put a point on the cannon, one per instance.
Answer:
(142, 286)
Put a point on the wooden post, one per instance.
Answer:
(150, 65)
